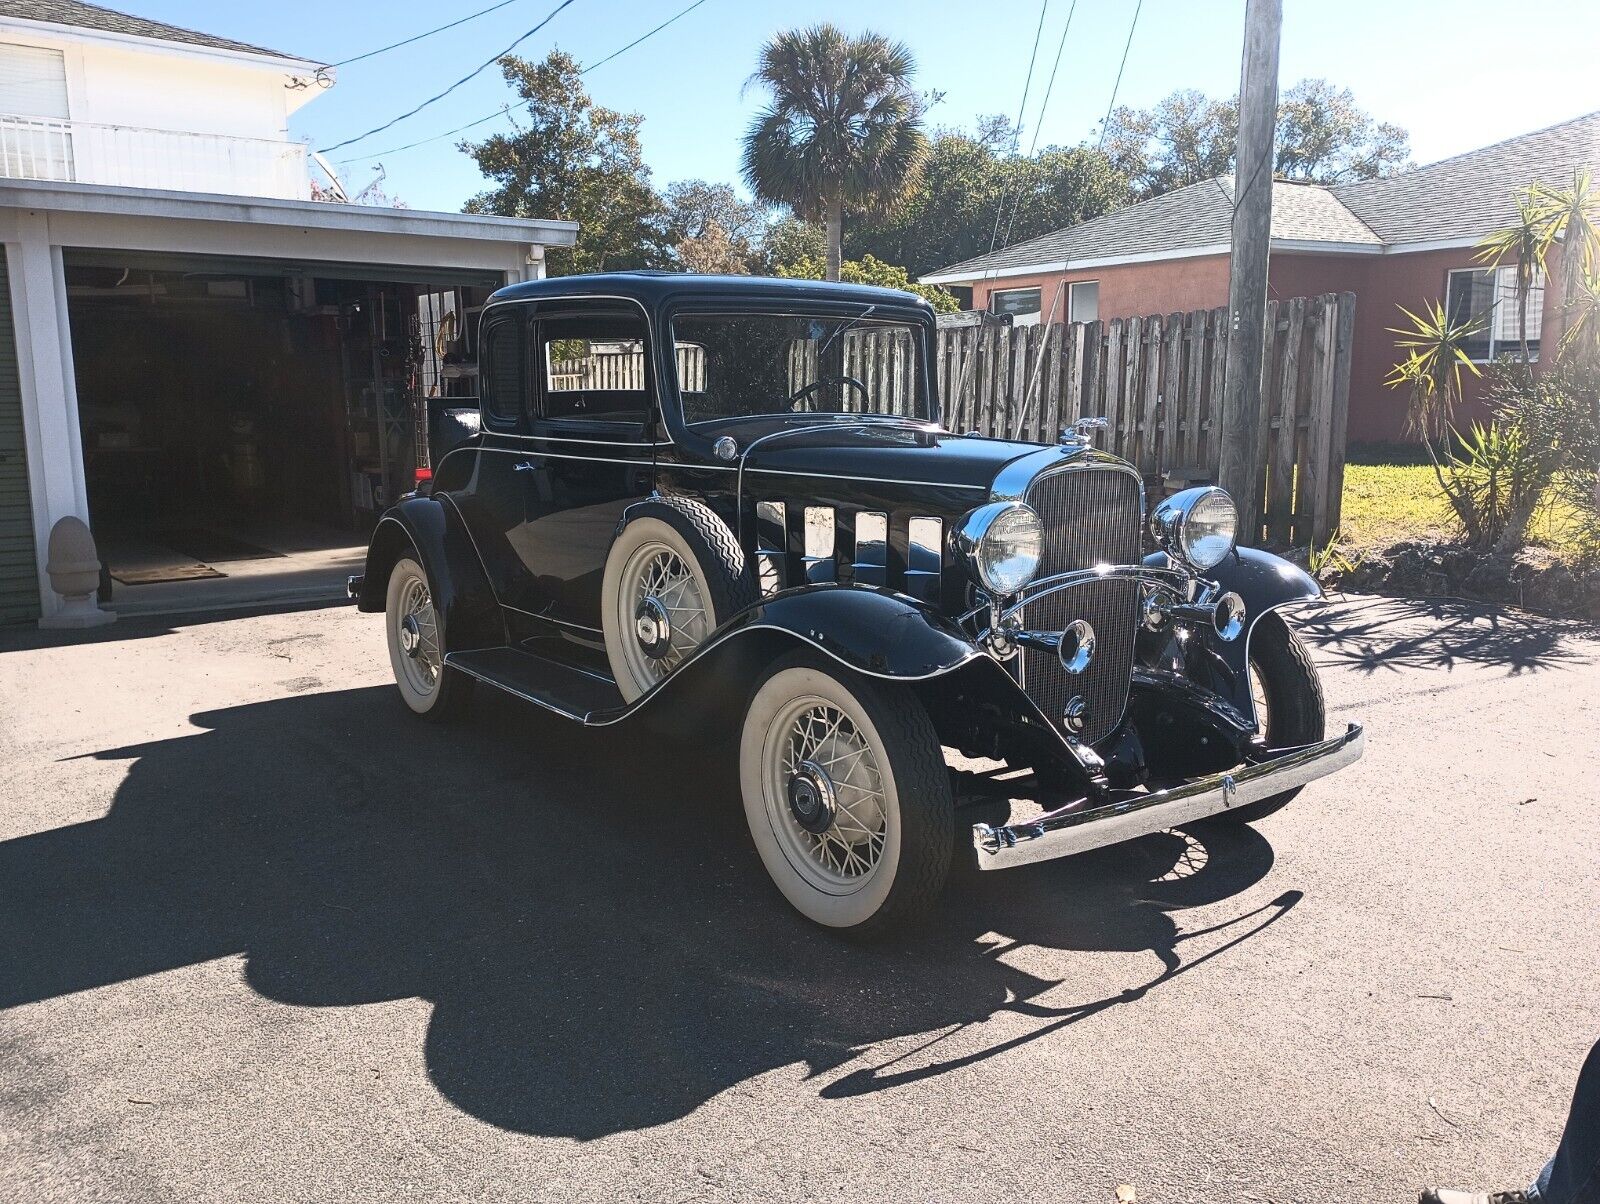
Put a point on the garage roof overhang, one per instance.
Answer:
(153, 220)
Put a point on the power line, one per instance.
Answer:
(418, 37)
(1016, 132)
(378, 129)
(1105, 124)
(1038, 126)
(683, 13)
(503, 109)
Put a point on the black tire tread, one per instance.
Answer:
(733, 586)
(927, 807)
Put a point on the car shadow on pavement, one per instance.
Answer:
(583, 909)
(1370, 633)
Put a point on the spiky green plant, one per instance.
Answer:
(1524, 243)
(842, 126)
(1433, 359)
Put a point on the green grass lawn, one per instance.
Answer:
(1387, 503)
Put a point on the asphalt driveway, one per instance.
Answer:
(265, 936)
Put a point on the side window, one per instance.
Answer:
(594, 370)
(502, 369)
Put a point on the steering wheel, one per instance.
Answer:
(805, 391)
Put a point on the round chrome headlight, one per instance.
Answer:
(1002, 543)
(1196, 526)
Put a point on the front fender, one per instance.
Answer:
(433, 529)
(1265, 582)
(868, 629)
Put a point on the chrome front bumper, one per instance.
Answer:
(1065, 832)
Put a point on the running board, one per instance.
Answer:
(555, 686)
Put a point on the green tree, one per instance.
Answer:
(571, 158)
(1323, 137)
(712, 230)
(950, 215)
(842, 127)
(870, 270)
(789, 240)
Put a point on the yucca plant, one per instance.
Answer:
(843, 126)
(1524, 243)
(1433, 360)
(1502, 471)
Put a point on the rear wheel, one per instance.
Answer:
(847, 796)
(1287, 695)
(416, 649)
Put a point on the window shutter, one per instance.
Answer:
(33, 82)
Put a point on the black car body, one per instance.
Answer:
(782, 440)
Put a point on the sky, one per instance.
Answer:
(1446, 70)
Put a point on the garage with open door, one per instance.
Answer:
(244, 423)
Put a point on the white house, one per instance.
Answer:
(194, 354)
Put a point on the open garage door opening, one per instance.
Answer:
(244, 425)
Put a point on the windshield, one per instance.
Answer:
(741, 365)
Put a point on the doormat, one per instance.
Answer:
(155, 574)
(205, 544)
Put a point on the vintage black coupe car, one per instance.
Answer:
(729, 504)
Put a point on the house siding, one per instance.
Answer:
(1128, 289)
(19, 580)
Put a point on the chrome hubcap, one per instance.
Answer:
(812, 798)
(652, 627)
(410, 635)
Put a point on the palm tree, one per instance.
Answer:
(842, 125)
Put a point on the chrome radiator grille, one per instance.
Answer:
(1091, 516)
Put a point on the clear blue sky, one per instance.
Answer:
(1448, 70)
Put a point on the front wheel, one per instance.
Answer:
(847, 796)
(1287, 695)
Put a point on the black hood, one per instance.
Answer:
(882, 452)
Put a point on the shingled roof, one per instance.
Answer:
(1470, 195)
(92, 16)
(1464, 197)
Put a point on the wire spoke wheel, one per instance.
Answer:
(417, 630)
(816, 748)
(663, 608)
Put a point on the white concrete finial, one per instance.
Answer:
(74, 568)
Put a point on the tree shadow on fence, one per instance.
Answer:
(582, 909)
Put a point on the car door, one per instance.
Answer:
(588, 452)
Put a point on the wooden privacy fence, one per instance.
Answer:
(1158, 382)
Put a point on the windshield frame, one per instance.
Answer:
(918, 322)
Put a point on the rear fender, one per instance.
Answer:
(432, 529)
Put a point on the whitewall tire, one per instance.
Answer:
(847, 795)
(416, 645)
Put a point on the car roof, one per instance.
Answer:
(650, 288)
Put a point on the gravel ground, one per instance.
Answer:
(263, 936)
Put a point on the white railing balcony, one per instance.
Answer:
(86, 152)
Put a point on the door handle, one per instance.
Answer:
(525, 466)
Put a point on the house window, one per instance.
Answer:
(1021, 303)
(1488, 298)
(35, 138)
(1083, 301)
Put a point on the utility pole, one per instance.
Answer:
(1247, 271)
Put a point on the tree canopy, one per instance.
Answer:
(870, 270)
(573, 159)
(1323, 137)
(950, 214)
(712, 230)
